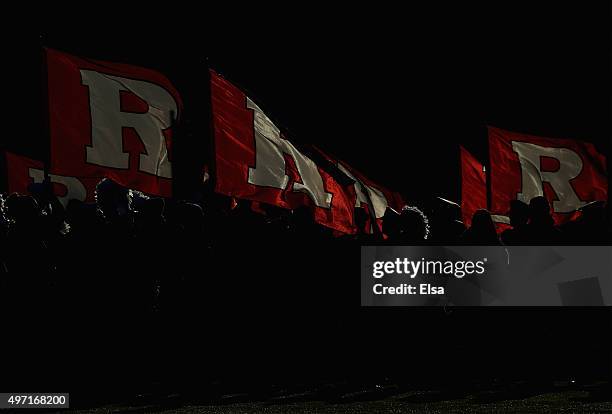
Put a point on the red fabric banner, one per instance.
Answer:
(568, 172)
(255, 161)
(18, 172)
(23, 171)
(367, 194)
(111, 120)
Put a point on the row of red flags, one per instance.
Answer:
(115, 120)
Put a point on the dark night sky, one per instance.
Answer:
(391, 91)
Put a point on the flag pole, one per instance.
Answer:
(210, 130)
(174, 133)
(487, 167)
(46, 129)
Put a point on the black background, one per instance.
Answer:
(391, 91)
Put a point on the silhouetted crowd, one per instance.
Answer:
(37, 225)
(155, 236)
(130, 277)
(529, 224)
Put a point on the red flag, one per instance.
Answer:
(111, 120)
(569, 173)
(23, 171)
(367, 194)
(473, 186)
(255, 161)
(18, 172)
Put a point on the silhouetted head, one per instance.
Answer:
(41, 193)
(594, 211)
(81, 216)
(413, 224)
(447, 210)
(113, 200)
(519, 213)
(190, 217)
(483, 227)
(445, 220)
(22, 209)
(539, 211)
(149, 212)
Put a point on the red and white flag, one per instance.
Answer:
(255, 161)
(568, 172)
(367, 194)
(23, 171)
(111, 120)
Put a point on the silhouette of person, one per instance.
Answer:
(114, 202)
(590, 226)
(26, 248)
(482, 231)
(519, 216)
(445, 221)
(541, 227)
(410, 226)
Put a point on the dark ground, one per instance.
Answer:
(335, 398)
